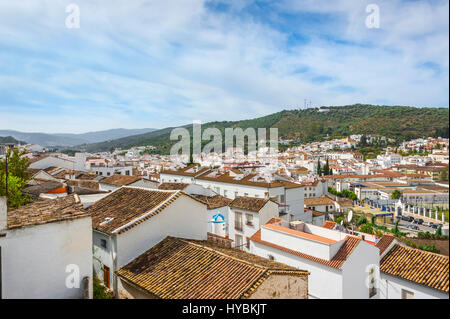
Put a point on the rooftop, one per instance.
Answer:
(416, 265)
(178, 268)
(47, 211)
(120, 180)
(129, 204)
(249, 203)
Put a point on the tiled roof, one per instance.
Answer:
(322, 200)
(384, 242)
(190, 170)
(226, 178)
(329, 224)
(185, 269)
(214, 202)
(120, 180)
(173, 186)
(336, 262)
(416, 265)
(127, 204)
(47, 211)
(41, 187)
(249, 203)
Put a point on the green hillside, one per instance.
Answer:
(399, 122)
(10, 139)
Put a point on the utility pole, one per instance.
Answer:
(8, 149)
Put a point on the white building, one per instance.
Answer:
(339, 264)
(131, 220)
(247, 215)
(46, 250)
(408, 273)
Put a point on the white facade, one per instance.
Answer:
(184, 217)
(249, 222)
(37, 260)
(348, 281)
(392, 287)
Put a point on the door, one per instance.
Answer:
(106, 276)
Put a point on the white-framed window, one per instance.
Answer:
(103, 243)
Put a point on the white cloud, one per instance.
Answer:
(164, 63)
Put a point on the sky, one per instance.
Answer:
(154, 64)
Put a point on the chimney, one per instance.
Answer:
(3, 213)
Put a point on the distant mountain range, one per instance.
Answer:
(67, 140)
(314, 124)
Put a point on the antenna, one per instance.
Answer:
(350, 216)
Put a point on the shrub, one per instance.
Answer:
(366, 228)
(100, 291)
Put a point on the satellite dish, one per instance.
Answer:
(350, 216)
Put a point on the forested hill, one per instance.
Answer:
(308, 125)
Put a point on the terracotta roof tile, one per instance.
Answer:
(127, 204)
(416, 265)
(214, 202)
(120, 180)
(177, 268)
(47, 211)
(384, 242)
(315, 201)
(173, 186)
(329, 224)
(249, 203)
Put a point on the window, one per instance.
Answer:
(127, 173)
(247, 242)
(238, 221)
(235, 194)
(245, 194)
(271, 257)
(108, 173)
(282, 198)
(249, 219)
(103, 243)
(407, 294)
(238, 242)
(225, 193)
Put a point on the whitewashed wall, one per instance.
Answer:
(34, 259)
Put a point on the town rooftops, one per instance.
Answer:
(215, 201)
(421, 267)
(249, 203)
(190, 171)
(249, 180)
(178, 268)
(173, 186)
(129, 206)
(120, 180)
(47, 211)
(317, 201)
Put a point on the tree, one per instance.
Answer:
(15, 196)
(444, 175)
(17, 178)
(326, 168)
(396, 194)
(319, 169)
